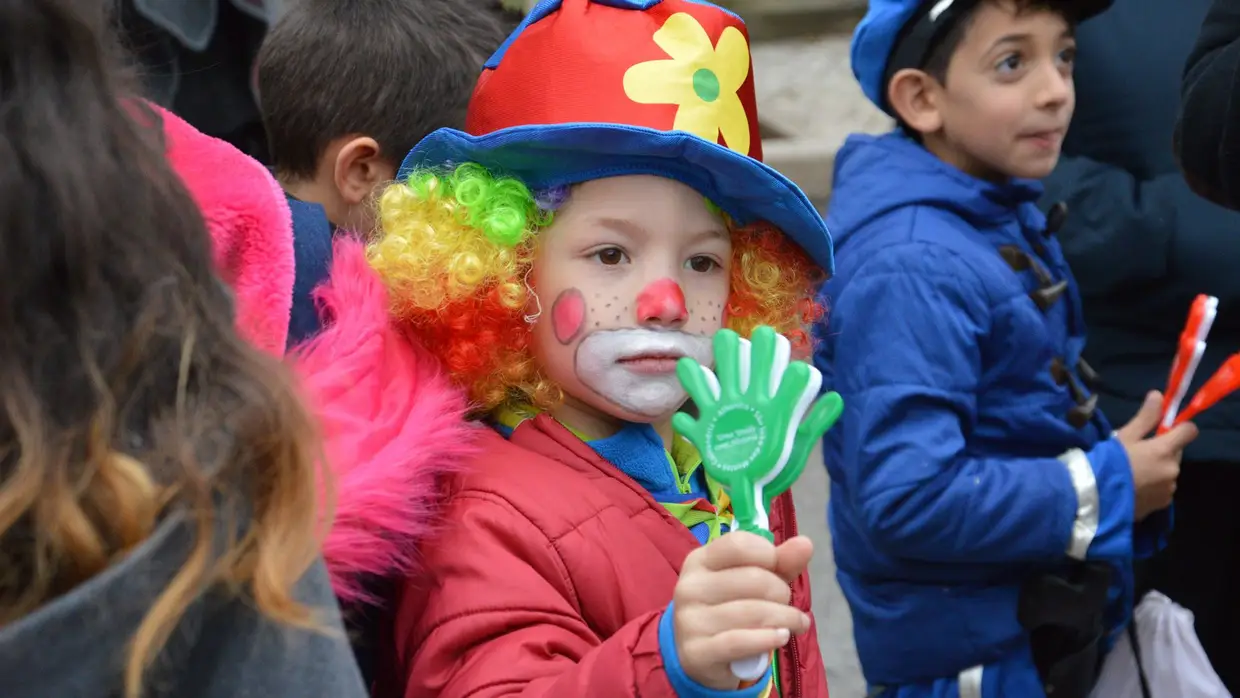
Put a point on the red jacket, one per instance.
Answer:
(548, 579)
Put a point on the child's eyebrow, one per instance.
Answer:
(622, 226)
(637, 232)
(1011, 39)
(1068, 33)
(711, 234)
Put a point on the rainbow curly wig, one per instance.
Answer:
(455, 251)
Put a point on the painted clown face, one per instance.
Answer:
(632, 275)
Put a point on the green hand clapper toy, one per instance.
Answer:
(758, 422)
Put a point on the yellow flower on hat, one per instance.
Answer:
(701, 79)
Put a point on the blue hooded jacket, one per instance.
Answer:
(955, 473)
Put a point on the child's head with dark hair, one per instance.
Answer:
(993, 94)
(347, 88)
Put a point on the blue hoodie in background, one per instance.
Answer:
(312, 255)
(955, 472)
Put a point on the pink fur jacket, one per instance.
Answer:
(250, 226)
(392, 424)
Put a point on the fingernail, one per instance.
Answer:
(805, 621)
(784, 635)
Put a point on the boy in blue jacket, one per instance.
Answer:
(985, 516)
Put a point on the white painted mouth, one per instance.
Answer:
(601, 359)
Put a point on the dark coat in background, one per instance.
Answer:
(1207, 136)
(1142, 245)
(1139, 241)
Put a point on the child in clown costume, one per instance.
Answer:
(605, 213)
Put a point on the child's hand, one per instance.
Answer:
(732, 602)
(1155, 461)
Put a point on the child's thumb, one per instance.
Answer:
(1145, 420)
(792, 557)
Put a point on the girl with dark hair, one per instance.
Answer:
(160, 508)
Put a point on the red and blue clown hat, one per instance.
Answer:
(587, 89)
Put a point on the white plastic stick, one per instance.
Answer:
(1203, 331)
(752, 668)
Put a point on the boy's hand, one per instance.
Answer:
(732, 602)
(1155, 461)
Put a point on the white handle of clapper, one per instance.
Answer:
(751, 668)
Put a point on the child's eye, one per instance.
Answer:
(611, 256)
(702, 264)
(1009, 64)
(1067, 56)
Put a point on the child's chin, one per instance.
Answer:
(643, 417)
(1036, 168)
(635, 411)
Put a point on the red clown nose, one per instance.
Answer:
(662, 301)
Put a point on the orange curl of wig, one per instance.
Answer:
(773, 283)
(455, 251)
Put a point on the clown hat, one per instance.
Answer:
(587, 89)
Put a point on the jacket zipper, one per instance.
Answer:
(795, 648)
(794, 645)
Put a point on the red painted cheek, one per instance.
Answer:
(568, 315)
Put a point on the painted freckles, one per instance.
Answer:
(568, 315)
(709, 315)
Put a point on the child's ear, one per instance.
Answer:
(913, 95)
(360, 167)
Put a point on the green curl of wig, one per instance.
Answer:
(501, 208)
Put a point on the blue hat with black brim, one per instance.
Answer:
(899, 34)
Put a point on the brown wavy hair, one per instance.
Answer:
(126, 398)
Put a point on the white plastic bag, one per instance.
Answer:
(1175, 664)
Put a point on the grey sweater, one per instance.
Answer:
(75, 647)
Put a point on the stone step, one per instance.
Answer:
(776, 7)
(808, 103)
(751, 6)
(784, 19)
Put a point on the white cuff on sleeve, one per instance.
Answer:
(1085, 526)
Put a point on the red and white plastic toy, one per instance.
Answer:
(1192, 346)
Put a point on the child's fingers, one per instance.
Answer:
(1144, 421)
(792, 558)
(729, 646)
(732, 585)
(744, 614)
(1179, 437)
(737, 549)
